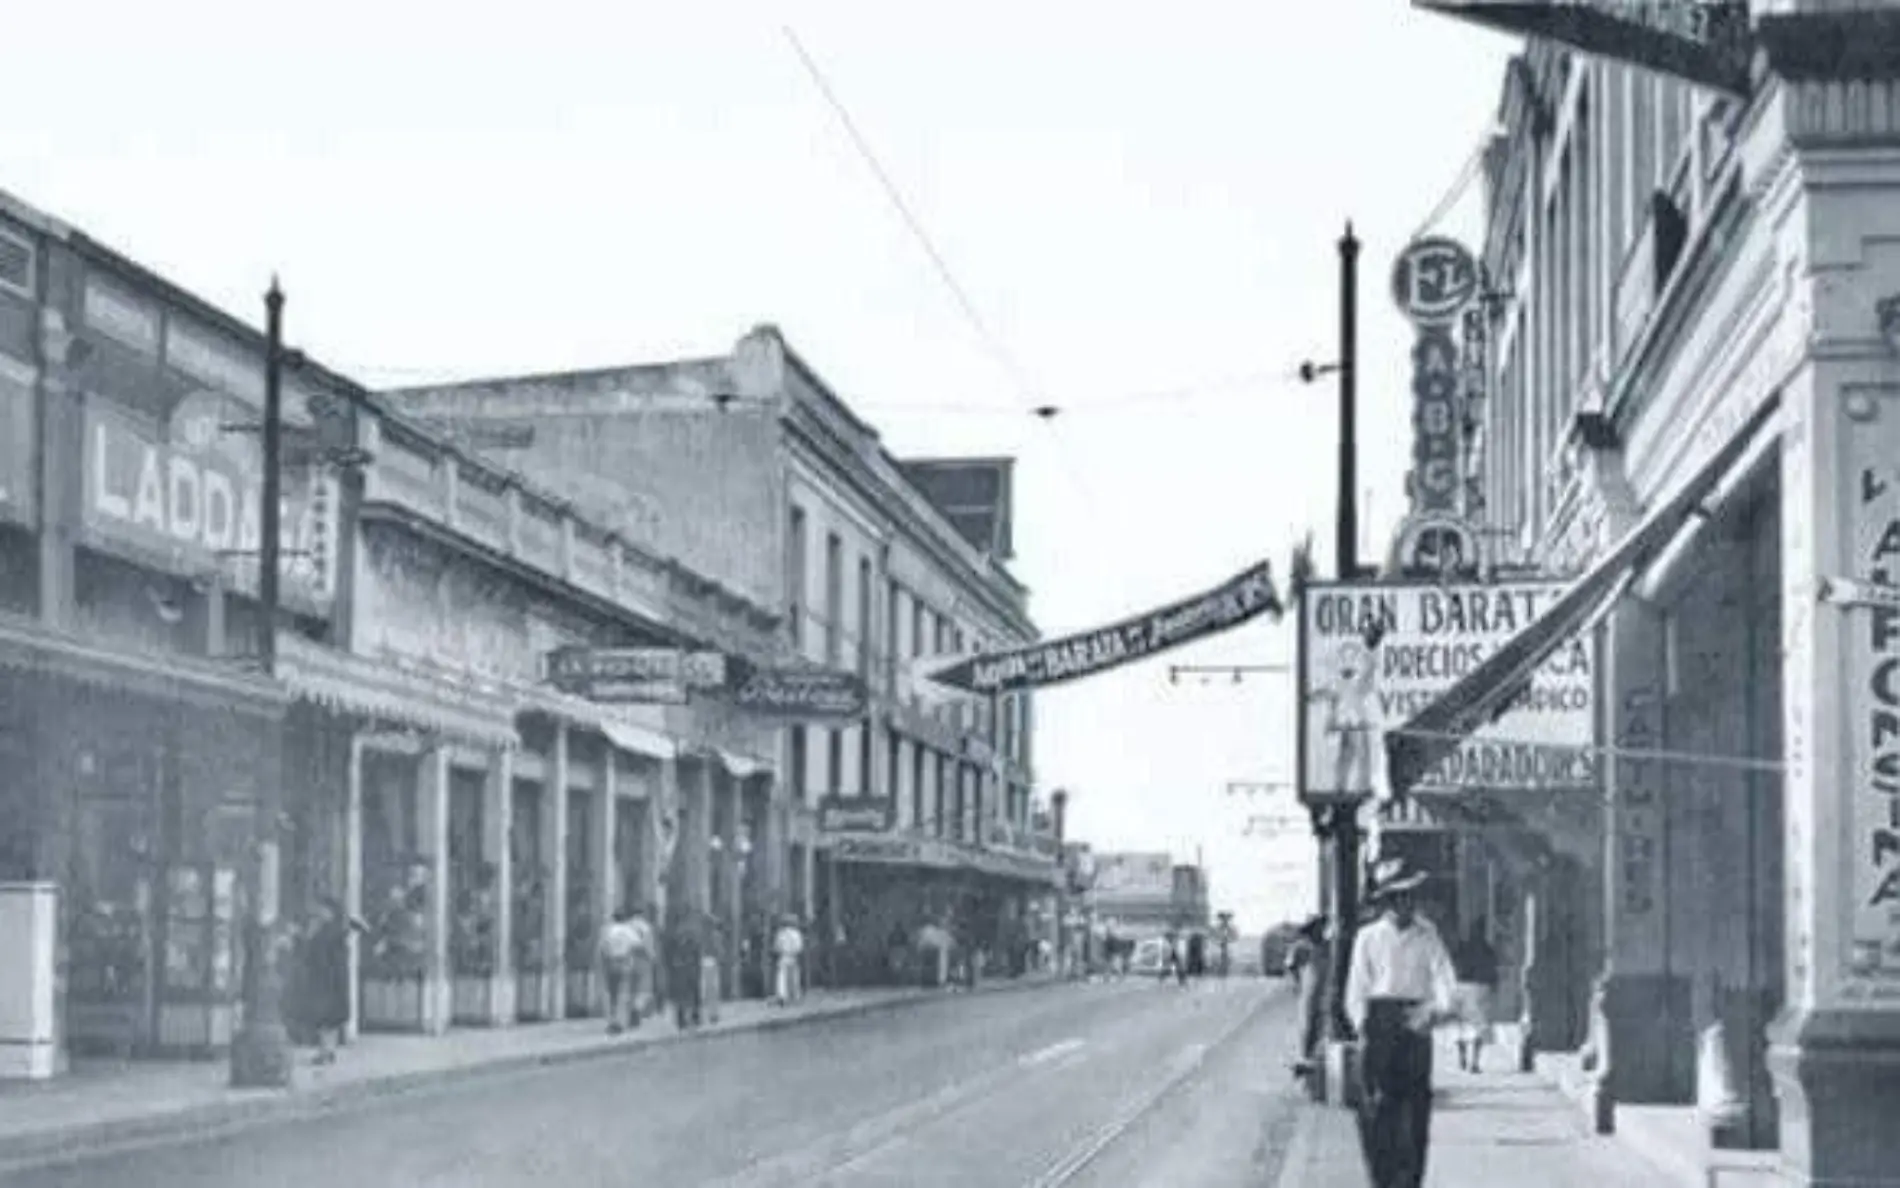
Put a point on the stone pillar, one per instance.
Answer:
(1835, 1051)
(60, 434)
(1640, 1012)
(696, 834)
(554, 855)
(732, 792)
(606, 806)
(353, 878)
(433, 805)
(1531, 921)
(498, 816)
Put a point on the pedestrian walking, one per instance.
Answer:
(624, 943)
(322, 976)
(1196, 955)
(1309, 963)
(1477, 965)
(684, 949)
(788, 945)
(1401, 985)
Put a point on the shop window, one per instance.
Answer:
(19, 572)
(801, 775)
(834, 782)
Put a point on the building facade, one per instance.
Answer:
(433, 780)
(1694, 349)
(752, 470)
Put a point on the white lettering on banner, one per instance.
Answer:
(198, 506)
(1428, 638)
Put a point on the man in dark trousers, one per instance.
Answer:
(1400, 986)
(1309, 961)
(685, 945)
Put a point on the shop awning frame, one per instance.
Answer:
(635, 738)
(372, 688)
(29, 646)
(1435, 732)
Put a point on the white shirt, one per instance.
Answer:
(789, 942)
(1393, 962)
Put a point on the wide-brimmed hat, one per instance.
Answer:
(1391, 876)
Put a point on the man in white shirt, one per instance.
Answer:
(788, 944)
(1401, 984)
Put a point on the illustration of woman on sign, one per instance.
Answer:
(1352, 714)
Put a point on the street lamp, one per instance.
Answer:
(261, 1051)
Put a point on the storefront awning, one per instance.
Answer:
(374, 688)
(639, 740)
(1434, 732)
(210, 684)
(743, 767)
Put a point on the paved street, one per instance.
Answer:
(1130, 1084)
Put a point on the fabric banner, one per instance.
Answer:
(1241, 598)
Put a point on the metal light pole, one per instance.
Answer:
(261, 1052)
(1343, 827)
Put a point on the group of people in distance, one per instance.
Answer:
(1402, 983)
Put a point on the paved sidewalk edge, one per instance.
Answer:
(1293, 1164)
(65, 1144)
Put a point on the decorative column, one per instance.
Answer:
(606, 806)
(554, 856)
(696, 834)
(60, 437)
(1639, 1011)
(433, 805)
(1835, 1050)
(353, 878)
(498, 818)
(770, 850)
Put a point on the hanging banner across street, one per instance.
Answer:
(1375, 653)
(1241, 598)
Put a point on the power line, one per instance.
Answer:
(1001, 354)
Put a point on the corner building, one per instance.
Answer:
(750, 469)
(1694, 413)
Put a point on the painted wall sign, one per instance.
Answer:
(1873, 714)
(1433, 280)
(797, 693)
(19, 438)
(1701, 41)
(1376, 653)
(120, 316)
(1241, 598)
(188, 498)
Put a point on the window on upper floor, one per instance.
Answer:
(795, 553)
(919, 625)
(866, 607)
(866, 766)
(801, 774)
(893, 631)
(834, 598)
(834, 775)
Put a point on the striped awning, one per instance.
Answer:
(463, 709)
(28, 646)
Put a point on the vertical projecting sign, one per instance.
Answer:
(1432, 282)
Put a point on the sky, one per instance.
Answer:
(1139, 203)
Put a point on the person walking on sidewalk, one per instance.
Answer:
(1309, 962)
(322, 976)
(684, 948)
(1400, 986)
(788, 945)
(1477, 964)
(625, 945)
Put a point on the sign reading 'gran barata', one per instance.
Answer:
(1240, 598)
(1374, 654)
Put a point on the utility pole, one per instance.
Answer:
(1342, 827)
(261, 1052)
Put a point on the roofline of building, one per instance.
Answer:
(363, 397)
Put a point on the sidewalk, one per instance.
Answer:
(1497, 1128)
(114, 1104)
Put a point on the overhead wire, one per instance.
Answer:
(998, 351)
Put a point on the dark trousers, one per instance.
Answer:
(685, 995)
(1395, 1107)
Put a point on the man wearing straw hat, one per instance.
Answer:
(1400, 985)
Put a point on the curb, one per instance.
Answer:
(1299, 1148)
(87, 1140)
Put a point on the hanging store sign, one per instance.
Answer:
(1433, 280)
(800, 694)
(1373, 654)
(649, 676)
(855, 814)
(188, 499)
(1699, 41)
(1238, 600)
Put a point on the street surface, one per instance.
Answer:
(1131, 1084)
